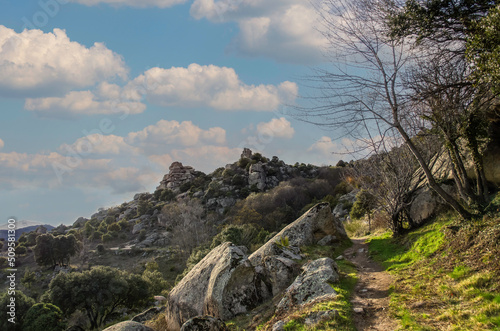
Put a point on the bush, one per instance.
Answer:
(3, 261)
(23, 304)
(44, 317)
(100, 249)
(106, 237)
(20, 250)
(114, 227)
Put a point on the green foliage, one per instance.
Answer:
(144, 207)
(166, 195)
(99, 291)
(44, 317)
(28, 278)
(363, 205)
(283, 242)
(240, 235)
(50, 250)
(22, 304)
(114, 227)
(3, 261)
(155, 281)
(107, 237)
(483, 49)
(21, 250)
(243, 162)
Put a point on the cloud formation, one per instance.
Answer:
(132, 3)
(216, 87)
(2, 144)
(282, 29)
(174, 133)
(82, 103)
(34, 63)
(277, 127)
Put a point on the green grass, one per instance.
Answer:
(446, 275)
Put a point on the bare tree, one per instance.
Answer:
(364, 94)
(189, 224)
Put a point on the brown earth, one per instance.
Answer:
(370, 300)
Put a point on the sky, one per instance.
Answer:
(99, 97)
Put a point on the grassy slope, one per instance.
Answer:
(447, 274)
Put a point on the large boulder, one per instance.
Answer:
(279, 272)
(312, 284)
(222, 285)
(308, 229)
(204, 323)
(128, 326)
(427, 203)
(257, 176)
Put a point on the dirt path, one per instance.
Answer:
(371, 298)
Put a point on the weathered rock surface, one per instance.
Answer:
(279, 272)
(222, 285)
(341, 210)
(257, 176)
(128, 326)
(308, 229)
(204, 323)
(312, 284)
(177, 176)
(427, 203)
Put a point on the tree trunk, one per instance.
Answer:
(430, 178)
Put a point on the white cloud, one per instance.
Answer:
(97, 144)
(206, 158)
(132, 3)
(172, 132)
(34, 63)
(53, 170)
(285, 30)
(164, 160)
(277, 127)
(2, 144)
(325, 146)
(213, 86)
(82, 103)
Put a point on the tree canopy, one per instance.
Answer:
(98, 292)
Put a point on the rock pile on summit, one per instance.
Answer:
(177, 176)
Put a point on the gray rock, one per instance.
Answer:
(315, 224)
(257, 176)
(222, 285)
(320, 316)
(140, 196)
(137, 228)
(280, 272)
(279, 326)
(80, 222)
(327, 240)
(128, 326)
(426, 204)
(358, 310)
(204, 323)
(313, 283)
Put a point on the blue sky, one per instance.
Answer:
(98, 97)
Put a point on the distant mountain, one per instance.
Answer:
(21, 227)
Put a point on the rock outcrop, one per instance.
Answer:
(257, 176)
(128, 326)
(312, 284)
(204, 323)
(222, 285)
(308, 229)
(177, 176)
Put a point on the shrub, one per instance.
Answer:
(3, 261)
(100, 249)
(106, 237)
(43, 317)
(114, 227)
(142, 235)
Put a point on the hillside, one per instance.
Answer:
(263, 245)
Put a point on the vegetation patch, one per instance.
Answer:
(446, 274)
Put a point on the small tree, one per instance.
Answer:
(99, 292)
(28, 278)
(364, 204)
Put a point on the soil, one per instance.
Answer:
(370, 300)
